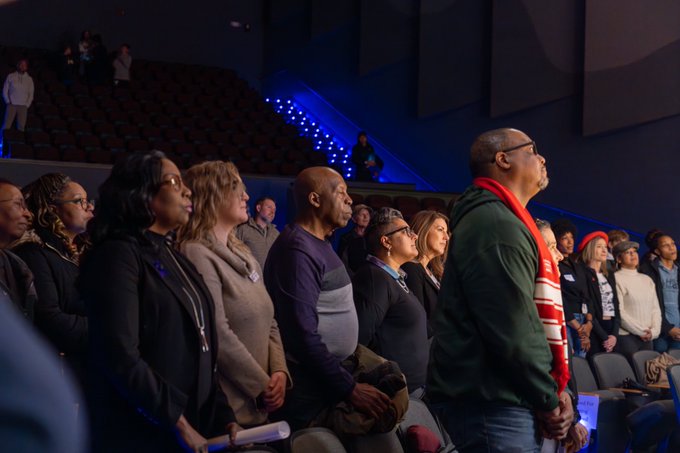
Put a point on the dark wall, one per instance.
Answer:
(624, 177)
(187, 32)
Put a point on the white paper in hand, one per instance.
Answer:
(258, 435)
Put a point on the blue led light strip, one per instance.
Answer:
(322, 136)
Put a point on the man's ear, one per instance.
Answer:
(314, 199)
(502, 161)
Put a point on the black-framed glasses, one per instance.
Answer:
(83, 202)
(175, 182)
(407, 229)
(534, 149)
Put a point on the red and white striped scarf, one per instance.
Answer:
(547, 294)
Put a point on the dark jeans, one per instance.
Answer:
(489, 428)
(664, 343)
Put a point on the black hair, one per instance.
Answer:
(124, 198)
(380, 221)
(362, 134)
(562, 226)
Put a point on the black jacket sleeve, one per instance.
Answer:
(111, 281)
(67, 330)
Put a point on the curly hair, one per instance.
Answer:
(125, 197)
(211, 183)
(40, 196)
(421, 224)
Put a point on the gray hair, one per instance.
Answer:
(542, 224)
(380, 223)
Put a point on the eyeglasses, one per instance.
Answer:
(18, 202)
(534, 149)
(407, 229)
(83, 202)
(175, 182)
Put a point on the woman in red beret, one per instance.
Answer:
(602, 291)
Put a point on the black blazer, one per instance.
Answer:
(59, 311)
(145, 351)
(598, 335)
(422, 286)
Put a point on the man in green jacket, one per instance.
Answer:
(489, 375)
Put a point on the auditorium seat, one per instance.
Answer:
(317, 440)
(137, 145)
(419, 414)
(88, 142)
(611, 369)
(378, 201)
(99, 156)
(19, 151)
(47, 153)
(611, 434)
(55, 125)
(105, 130)
(639, 361)
(433, 204)
(73, 154)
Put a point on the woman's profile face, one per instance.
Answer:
(171, 205)
(73, 208)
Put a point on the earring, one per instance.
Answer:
(388, 251)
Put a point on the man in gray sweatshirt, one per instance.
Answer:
(18, 95)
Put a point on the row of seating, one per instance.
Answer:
(322, 440)
(408, 205)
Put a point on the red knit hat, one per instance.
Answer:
(590, 236)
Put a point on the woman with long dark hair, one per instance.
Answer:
(152, 328)
(61, 211)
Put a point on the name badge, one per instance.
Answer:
(584, 309)
(254, 276)
(569, 278)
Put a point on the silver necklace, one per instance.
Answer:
(200, 321)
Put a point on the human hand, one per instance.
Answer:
(609, 343)
(556, 423)
(369, 400)
(647, 336)
(674, 333)
(189, 438)
(578, 435)
(585, 344)
(370, 163)
(275, 394)
(587, 328)
(232, 429)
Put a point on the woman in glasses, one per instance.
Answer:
(424, 273)
(392, 322)
(251, 363)
(153, 345)
(52, 249)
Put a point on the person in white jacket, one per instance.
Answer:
(18, 95)
(639, 304)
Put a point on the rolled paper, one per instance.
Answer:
(258, 435)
